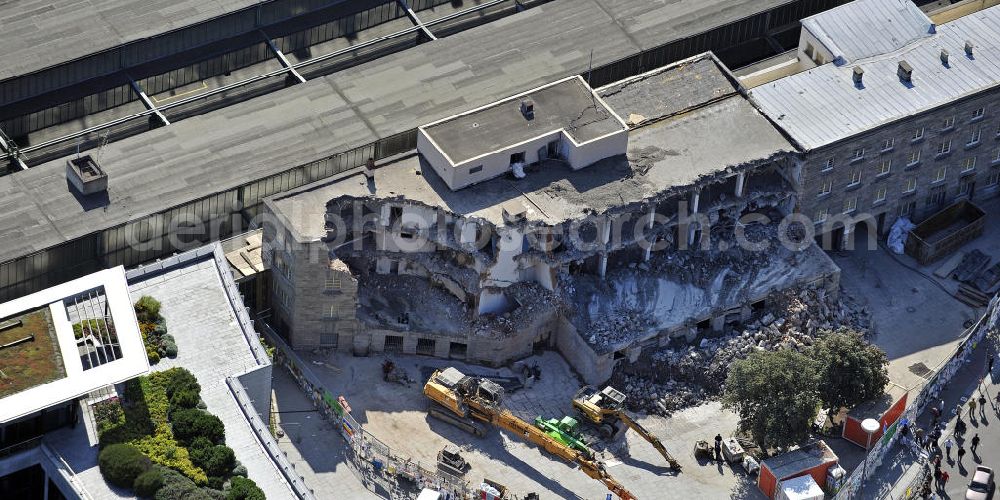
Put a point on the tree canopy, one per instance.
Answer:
(775, 395)
(852, 371)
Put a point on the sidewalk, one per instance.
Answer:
(902, 466)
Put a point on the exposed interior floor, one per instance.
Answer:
(396, 414)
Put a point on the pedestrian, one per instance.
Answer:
(960, 426)
(718, 452)
(937, 477)
(947, 448)
(944, 478)
(975, 442)
(936, 414)
(982, 405)
(920, 436)
(989, 365)
(972, 408)
(961, 453)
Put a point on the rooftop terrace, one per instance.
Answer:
(29, 352)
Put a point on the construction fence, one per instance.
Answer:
(397, 476)
(988, 324)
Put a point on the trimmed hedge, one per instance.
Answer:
(121, 464)
(178, 487)
(189, 424)
(148, 483)
(216, 461)
(147, 309)
(244, 489)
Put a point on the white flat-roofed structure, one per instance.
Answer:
(97, 360)
(564, 120)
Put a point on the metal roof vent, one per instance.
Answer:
(968, 48)
(905, 71)
(528, 108)
(944, 57)
(86, 175)
(858, 75)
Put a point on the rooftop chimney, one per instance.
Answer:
(86, 175)
(528, 108)
(859, 74)
(905, 71)
(944, 57)
(968, 48)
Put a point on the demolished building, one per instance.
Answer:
(638, 214)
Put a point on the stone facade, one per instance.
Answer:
(901, 171)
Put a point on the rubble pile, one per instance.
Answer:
(671, 379)
(529, 302)
(618, 326)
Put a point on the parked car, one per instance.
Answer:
(981, 486)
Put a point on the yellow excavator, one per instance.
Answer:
(470, 399)
(606, 410)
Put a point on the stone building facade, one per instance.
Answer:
(913, 167)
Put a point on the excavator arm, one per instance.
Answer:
(648, 436)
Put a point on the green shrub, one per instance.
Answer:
(240, 469)
(108, 414)
(147, 309)
(216, 483)
(170, 349)
(244, 489)
(177, 487)
(184, 399)
(148, 483)
(178, 379)
(214, 460)
(121, 464)
(153, 356)
(188, 424)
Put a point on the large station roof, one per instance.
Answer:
(220, 150)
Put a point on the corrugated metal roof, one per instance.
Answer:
(866, 28)
(823, 105)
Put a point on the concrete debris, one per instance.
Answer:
(669, 379)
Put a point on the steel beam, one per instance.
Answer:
(146, 101)
(282, 59)
(416, 20)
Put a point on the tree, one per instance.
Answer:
(775, 395)
(852, 371)
(120, 464)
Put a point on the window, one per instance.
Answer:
(977, 134)
(918, 134)
(855, 177)
(914, 157)
(940, 174)
(858, 154)
(828, 164)
(969, 164)
(964, 188)
(332, 281)
(884, 167)
(476, 169)
(880, 195)
(887, 144)
(328, 339)
(850, 205)
(936, 198)
(944, 147)
(826, 188)
(911, 185)
(517, 158)
(906, 209)
(948, 123)
(979, 113)
(332, 312)
(994, 178)
(822, 214)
